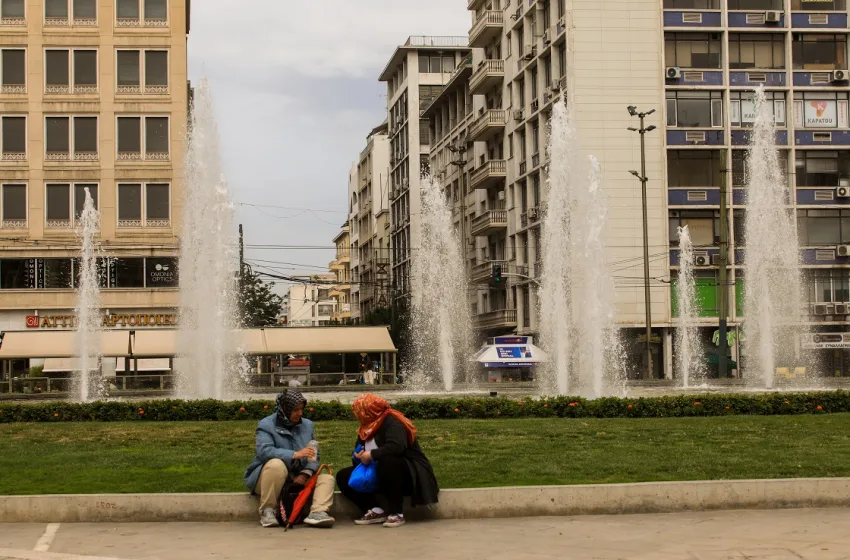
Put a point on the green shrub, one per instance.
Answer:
(448, 408)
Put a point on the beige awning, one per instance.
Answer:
(150, 364)
(59, 344)
(61, 365)
(328, 340)
(154, 343)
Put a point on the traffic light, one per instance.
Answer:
(497, 274)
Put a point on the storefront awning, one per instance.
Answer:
(328, 340)
(510, 355)
(145, 365)
(59, 344)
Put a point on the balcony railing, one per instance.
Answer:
(487, 125)
(486, 27)
(504, 318)
(488, 75)
(437, 41)
(482, 272)
(490, 221)
(489, 174)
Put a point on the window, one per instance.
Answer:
(17, 274)
(821, 51)
(827, 168)
(819, 6)
(131, 13)
(133, 65)
(58, 71)
(127, 273)
(161, 272)
(57, 12)
(740, 169)
(691, 4)
(756, 4)
(60, 203)
(692, 50)
(693, 168)
(149, 206)
(14, 138)
(823, 227)
(821, 109)
(695, 109)
(562, 59)
(436, 64)
(133, 144)
(57, 273)
(704, 226)
(14, 206)
(12, 11)
(756, 50)
(743, 107)
(14, 71)
(60, 143)
(828, 286)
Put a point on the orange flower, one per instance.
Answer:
(141, 412)
(457, 410)
(787, 402)
(728, 407)
(55, 414)
(265, 406)
(697, 403)
(241, 409)
(476, 404)
(174, 407)
(544, 406)
(311, 409)
(520, 403)
(630, 406)
(820, 407)
(572, 404)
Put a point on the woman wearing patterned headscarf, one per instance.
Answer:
(282, 452)
(389, 439)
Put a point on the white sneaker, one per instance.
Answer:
(320, 519)
(268, 519)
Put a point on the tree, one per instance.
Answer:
(259, 306)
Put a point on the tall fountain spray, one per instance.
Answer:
(689, 352)
(577, 324)
(88, 383)
(772, 295)
(442, 341)
(207, 361)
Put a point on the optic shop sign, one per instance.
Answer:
(113, 320)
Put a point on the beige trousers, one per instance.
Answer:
(274, 475)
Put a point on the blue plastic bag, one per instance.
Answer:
(364, 478)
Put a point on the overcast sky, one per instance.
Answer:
(296, 91)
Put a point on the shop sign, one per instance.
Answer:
(821, 113)
(826, 341)
(513, 352)
(162, 273)
(111, 320)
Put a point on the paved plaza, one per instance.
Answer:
(756, 535)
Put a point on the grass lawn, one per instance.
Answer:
(211, 456)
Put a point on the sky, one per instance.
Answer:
(296, 92)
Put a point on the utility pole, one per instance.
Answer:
(643, 181)
(723, 259)
(241, 260)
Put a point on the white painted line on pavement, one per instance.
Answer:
(43, 544)
(36, 555)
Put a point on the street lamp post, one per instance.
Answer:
(643, 181)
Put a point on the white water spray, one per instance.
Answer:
(689, 351)
(207, 363)
(577, 324)
(440, 314)
(88, 383)
(772, 296)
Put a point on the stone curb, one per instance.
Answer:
(512, 501)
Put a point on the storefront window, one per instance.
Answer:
(17, 274)
(820, 109)
(57, 273)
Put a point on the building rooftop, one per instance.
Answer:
(422, 43)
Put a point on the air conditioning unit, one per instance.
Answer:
(501, 195)
(546, 38)
(519, 115)
(842, 192)
(556, 85)
(843, 250)
(533, 213)
(673, 73)
(842, 309)
(820, 309)
(535, 105)
(772, 17)
(702, 260)
(840, 76)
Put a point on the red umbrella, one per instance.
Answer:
(304, 495)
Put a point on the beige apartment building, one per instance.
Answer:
(340, 267)
(94, 96)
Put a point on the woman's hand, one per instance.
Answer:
(364, 457)
(306, 453)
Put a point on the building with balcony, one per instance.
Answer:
(94, 98)
(415, 74)
(340, 267)
(311, 303)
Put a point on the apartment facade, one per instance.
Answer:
(415, 75)
(311, 303)
(94, 97)
(340, 267)
(696, 62)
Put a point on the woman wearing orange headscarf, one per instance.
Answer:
(389, 439)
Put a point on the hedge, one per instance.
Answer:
(447, 408)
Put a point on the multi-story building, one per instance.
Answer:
(354, 241)
(371, 199)
(310, 302)
(94, 97)
(697, 63)
(414, 75)
(340, 267)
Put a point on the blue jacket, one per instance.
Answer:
(275, 442)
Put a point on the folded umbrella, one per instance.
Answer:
(304, 495)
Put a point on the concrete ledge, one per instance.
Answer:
(513, 501)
